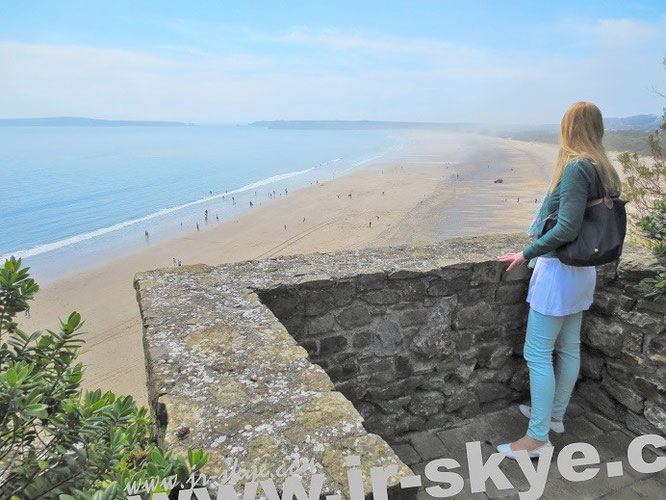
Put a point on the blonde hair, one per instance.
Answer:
(581, 132)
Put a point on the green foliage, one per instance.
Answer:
(16, 289)
(653, 226)
(55, 441)
(645, 188)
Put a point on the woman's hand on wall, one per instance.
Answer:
(516, 259)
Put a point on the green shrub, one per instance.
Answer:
(645, 188)
(55, 441)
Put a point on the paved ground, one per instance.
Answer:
(610, 440)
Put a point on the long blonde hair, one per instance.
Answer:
(581, 132)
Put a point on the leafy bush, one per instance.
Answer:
(645, 188)
(55, 441)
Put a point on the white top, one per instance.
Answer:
(557, 289)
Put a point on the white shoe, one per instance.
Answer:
(557, 427)
(506, 449)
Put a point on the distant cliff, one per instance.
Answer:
(73, 121)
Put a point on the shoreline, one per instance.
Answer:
(441, 187)
(100, 246)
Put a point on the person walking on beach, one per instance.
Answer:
(197, 226)
(558, 293)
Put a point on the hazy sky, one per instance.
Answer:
(234, 62)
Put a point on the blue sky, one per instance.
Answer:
(234, 62)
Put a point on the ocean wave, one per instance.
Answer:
(49, 247)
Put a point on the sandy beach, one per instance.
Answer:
(440, 187)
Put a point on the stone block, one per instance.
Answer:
(605, 301)
(639, 424)
(648, 323)
(519, 273)
(599, 399)
(442, 288)
(403, 366)
(377, 365)
(410, 423)
(624, 395)
(619, 370)
(591, 364)
(656, 415)
(603, 335)
(378, 379)
(636, 264)
(469, 296)
(332, 345)
(461, 272)
(465, 369)
(344, 293)
(475, 316)
(354, 316)
(354, 390)
(653, 387)
(413, 317)
(656, 306)
(370, 281)
(380, 297)
(461, 400)
(318, 302)
(396, 405)
(311, 346)
(511, 293)
(381, 424)
(426, 403)
(320, 325)
(392, 390)
(485, 375)
(656, 350)
(491, 391)
(434, 339)
(388, 339)
(513, 315)
(412, 290)
(486, 272)
(362, 339)
(498, 357)
(436, 382)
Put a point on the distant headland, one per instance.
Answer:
(75, 121)
(641, 123)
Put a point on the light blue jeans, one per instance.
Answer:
(551, 388)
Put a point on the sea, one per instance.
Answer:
(73, 197)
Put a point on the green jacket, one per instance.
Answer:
(569, 199)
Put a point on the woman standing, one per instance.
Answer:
(558, 293)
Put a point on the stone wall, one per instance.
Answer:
(412, 350)
(316, 357)
(623, 362)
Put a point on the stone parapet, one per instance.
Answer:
(316, 357)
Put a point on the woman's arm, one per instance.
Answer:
(574, 188)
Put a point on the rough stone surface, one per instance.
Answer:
(307, 356)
